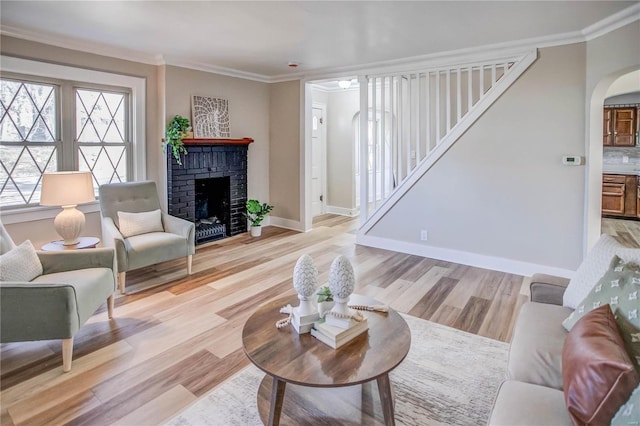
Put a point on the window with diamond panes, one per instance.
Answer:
(102, 134)
(29, 139)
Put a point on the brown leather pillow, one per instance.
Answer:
(597, 372)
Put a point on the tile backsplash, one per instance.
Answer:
(614, 155)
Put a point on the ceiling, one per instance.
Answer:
(259, 38)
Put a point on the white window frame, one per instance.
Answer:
(137, 85)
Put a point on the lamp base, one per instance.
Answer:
(69, 224)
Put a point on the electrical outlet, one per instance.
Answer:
(412, 154)
(625, 159)
(424, 235)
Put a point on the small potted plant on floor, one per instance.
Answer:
(177, 129)
(256, 212)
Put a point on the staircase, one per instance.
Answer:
(411, 119)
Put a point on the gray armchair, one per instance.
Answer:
(57, 303)
(177, 240)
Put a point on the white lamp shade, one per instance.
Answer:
(66, 188)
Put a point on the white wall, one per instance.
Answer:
(342, 107)
(625, 84)
(501, 190)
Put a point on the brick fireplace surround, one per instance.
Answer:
(209, 158)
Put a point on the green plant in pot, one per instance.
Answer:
(256, 212)
(325, 300)
(177, 129)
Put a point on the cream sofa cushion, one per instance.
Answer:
(140, 223)
(520, 403)
(20, 263)
(535, 355)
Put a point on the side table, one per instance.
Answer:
(83, 243)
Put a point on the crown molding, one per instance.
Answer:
(83, 46)
(612, 23)
(598, 29)
(229, 72)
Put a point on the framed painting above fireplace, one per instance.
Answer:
(210, 117)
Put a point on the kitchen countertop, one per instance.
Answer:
(621, 169)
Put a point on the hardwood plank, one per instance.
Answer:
(435, 297)
(78, 404)
(394, 290)
(124, 403)
(228, 336)
(500, 317)
(160, 409)
(53, 388)
(472, 315)
(407, 300)
(201, 384)
(446, 315)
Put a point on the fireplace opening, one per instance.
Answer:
(212, 209)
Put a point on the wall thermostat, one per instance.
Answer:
(572, 160)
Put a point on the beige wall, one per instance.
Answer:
(342, 108)
(248, 115)
(502, 190)
(284, 152)
(42, 230)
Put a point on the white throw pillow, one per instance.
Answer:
(594, 266)
(20, 263)
(140, 223)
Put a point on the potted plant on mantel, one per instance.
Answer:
(177, 129)
(256, 212)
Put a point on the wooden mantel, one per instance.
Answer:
(199, 141)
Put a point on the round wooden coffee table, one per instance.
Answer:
(307, 363)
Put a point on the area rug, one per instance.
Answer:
(449, 377)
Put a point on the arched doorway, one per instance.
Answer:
(594, 152)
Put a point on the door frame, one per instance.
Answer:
(323, 161)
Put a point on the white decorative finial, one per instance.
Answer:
(305, 282)
(305, 276)
(341, 283)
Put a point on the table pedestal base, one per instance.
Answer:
(348, 405)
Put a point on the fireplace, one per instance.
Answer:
(213, 208)
(210, 188)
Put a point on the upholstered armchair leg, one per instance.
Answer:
(189, 262)
(67, 354)
(122, 277)
(110, 301)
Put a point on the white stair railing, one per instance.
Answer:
(410, 119)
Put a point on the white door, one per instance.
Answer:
(317, 162)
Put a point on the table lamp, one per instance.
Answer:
(67, 189)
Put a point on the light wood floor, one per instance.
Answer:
(171, 344)
(626, 231)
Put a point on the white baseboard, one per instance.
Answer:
(280, 222)
(342, 211)
(466, 258)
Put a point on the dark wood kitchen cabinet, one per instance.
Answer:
(619, 127)
(620, 195)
